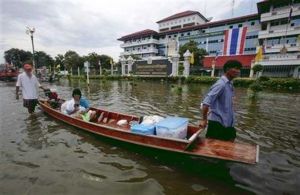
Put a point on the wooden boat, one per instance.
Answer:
(193, 145)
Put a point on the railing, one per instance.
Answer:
(142, 42)
(280, 13)
(276, 48)
(140, 51)
(279, 32)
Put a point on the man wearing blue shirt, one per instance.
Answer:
(217, 106)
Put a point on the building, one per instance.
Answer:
(280, 37)
(142, 44)
(231, 39)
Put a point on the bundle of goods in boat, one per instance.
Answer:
(172, 127)
(143, 129)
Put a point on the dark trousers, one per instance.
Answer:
(216, 130)
(30, 104)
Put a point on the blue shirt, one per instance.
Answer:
(219, 100)
(84, 103)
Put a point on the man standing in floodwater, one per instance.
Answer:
(217, 106)
(29, 84)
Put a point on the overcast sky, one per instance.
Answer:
(94, 26)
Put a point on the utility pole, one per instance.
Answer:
(30, 32)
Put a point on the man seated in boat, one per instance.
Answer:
(217, 106)
(72, 107)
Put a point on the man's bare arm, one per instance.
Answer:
(203, 122)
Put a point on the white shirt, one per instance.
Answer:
(68, 106)
(29, 86)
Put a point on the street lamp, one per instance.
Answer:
(30, 32)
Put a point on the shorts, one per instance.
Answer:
(30, 103)
(216, 130)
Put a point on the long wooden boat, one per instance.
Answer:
(193, 145)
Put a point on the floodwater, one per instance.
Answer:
(40, 155)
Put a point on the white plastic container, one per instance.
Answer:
(172, 127)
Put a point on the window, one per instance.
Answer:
(175, 35)
(188, 33)
(230, 26)
(252, 23)
(182, 34)
(240, 25)
(169, 36)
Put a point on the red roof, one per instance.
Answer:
(211, 24)
(245, 60)
(139, 34)
(182, 14)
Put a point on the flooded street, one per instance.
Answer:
(40, 155)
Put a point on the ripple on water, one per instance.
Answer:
(39, 154)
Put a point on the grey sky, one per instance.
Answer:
(89, 25)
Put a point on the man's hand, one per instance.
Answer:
(203, 124)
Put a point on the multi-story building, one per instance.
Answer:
(231, 39)
(280, 37)
(142, 44)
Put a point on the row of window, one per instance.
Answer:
(178, 21)
(246, 49)
(252, 37)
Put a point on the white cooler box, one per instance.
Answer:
(172, 127)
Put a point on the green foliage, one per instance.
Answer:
(43, 59)
(256, 86)
(18, 57)
(60, 60)
(257, 68)
(192, 46)
(72, 60)
(263, 78)
(180, 69)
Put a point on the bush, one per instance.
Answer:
(263, 78)
(257, 68)
(256, 86)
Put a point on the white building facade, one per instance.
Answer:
(280, 37)
(142, 44)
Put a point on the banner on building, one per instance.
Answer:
(234, 41)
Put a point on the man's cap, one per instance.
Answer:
(27, 66)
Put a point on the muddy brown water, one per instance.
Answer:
(40, 155)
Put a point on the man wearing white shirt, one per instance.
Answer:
(29, 84)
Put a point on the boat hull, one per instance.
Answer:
(211, 148)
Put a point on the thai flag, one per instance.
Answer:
(234, 42)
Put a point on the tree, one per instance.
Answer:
(72, 60)
(257, 68)
(18, 57)
(43, 59)
(60, 60)
(105, 61)
(94, 59)
(192, 46)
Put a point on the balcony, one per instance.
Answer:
(142, 42)
(277, 48)
(279, 32)
(280, 13)
(143, 51)
(281, 59)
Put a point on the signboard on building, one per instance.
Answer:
(156, 68)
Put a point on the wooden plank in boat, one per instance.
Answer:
(233, 151)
